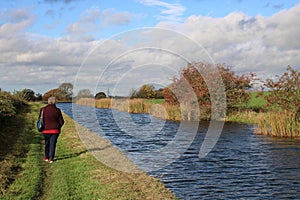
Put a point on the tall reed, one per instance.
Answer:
(131, 105)
(166, 111)
(163, 111)
(86, 102)
(279, 124)
(103, 103)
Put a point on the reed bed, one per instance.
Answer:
(279, 124)
(103, 103)
(130, 105)
(247, 116)
(160, 110)
(86, 102)
(123, 104)
(166, 111)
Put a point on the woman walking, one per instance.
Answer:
(53, 121)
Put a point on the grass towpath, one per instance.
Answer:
(76, 174)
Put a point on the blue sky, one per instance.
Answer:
(53, 18)
(45, 43)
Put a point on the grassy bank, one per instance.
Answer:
(75, 174)
(21, 171)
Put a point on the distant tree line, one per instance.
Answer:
(147, 91)
(283, 92)
(63, 93)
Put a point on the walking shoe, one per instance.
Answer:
(51, 161)
(46, 159)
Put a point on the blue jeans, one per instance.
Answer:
(50, 145)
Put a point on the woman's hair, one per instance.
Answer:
(51, 100)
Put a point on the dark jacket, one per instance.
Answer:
(53, 119)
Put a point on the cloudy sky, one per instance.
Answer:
(119, 45)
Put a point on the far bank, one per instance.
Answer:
(274, 123)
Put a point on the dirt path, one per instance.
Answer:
(46, 176)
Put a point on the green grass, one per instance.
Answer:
(256, 100)
(25, 156)
(78, 175)
(154, 101)
(28, 183)
(75, 174)
(69, 176)
(255, 104)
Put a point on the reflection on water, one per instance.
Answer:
(241, 166)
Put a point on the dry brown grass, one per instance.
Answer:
(164, 111)
(279, 124)
(273, 123)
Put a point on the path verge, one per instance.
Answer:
(76, 173)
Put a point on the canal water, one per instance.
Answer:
(241, 165)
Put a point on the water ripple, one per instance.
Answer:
(241, 165)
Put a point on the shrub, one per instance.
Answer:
(11, 105)
(192, 77)
(283, 105)
(284, 93)
(7, 108)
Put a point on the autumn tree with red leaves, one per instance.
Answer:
(57, 93)
(282, 118)
(284, 92)
(202, 80)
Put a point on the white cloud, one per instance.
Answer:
(284, 29)
(111, 17)
(168, 11)
(137, 57)
(16, 15)
(33, 61)
(94, 19)
(264, 45)
(10, 29)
